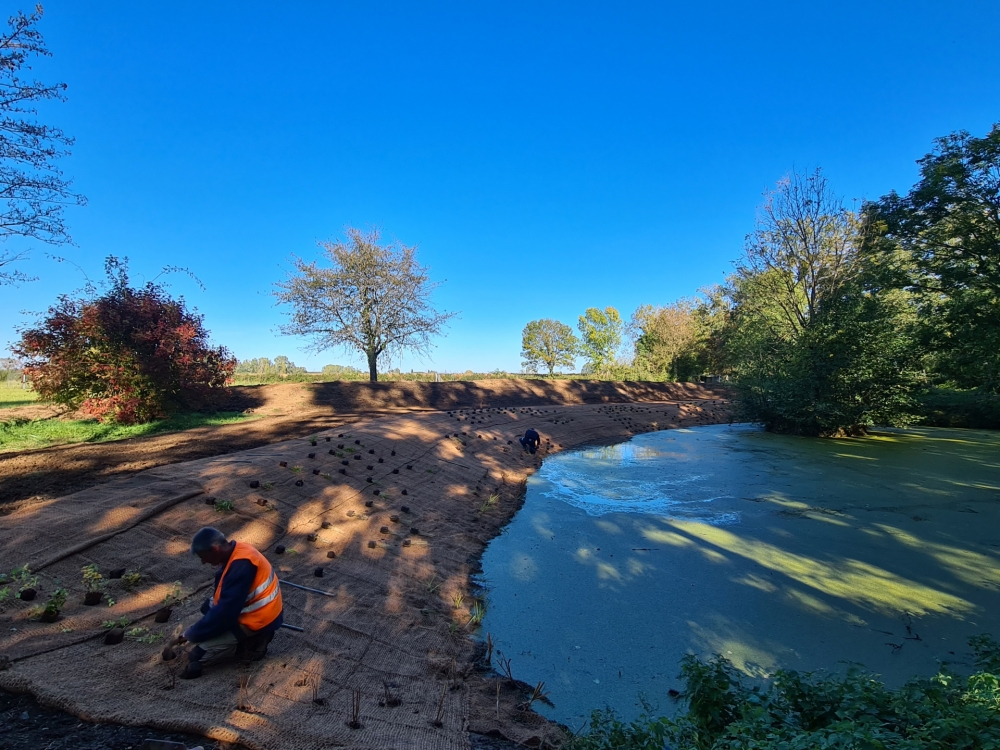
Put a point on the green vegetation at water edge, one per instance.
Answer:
(801, 711)
(23, 434)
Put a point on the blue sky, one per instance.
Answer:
(545, 157)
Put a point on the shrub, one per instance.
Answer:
(803, 711)
(128, 355)
(950, 407)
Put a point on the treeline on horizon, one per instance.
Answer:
(834, 320)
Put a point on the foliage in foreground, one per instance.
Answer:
(128, 355)
(802, 711)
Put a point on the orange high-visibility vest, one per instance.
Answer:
(263, 603)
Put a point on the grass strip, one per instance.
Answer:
(23, 434)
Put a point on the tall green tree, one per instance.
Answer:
(948, 230)
(817, 343)
(372, 298)
(601, 334)
(547, 343)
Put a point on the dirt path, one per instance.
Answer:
(291, 410)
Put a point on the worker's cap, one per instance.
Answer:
(206, 539)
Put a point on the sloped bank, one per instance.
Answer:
(394, 531)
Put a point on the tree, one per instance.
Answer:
(375, 299)
(33, 190)
(948, 228)
(600, 337)
(128, 355)
(263, 367)
(547, 342)
(669, 339)
(817, 342)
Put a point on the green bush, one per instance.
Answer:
(950, 407)
(802, 711)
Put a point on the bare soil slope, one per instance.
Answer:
(289, 410)
(391, 631)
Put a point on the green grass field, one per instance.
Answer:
(20, 434)
(11, 394)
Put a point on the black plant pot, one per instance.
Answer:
(93, 597)
(114, 636)
(163, 615)
(27, 595)
(50, 616)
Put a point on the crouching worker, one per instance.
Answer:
(245, 611)
(530, 441)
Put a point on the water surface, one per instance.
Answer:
(778, 552)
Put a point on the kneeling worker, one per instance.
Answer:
(245, 611)
(530, 441)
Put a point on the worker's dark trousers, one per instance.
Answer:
(226, 647)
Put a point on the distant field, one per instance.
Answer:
(19, 434)
(11, 394)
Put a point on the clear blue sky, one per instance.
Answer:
(545, 157)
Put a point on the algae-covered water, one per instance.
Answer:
(777, 552)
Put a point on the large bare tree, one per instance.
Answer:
(374, 298)
(803, 249)
(33, 190)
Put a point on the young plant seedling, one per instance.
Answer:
(54, 604)
(243, 702)
(121, 622)
(477, 613)
(94, 583)
(131, 579)
(538, 694)
(224, 506)
(457, 600)
(489, 503)
(390, 701)
(438, 718)
(355, 722)
(504, 664)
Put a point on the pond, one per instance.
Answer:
(775, 551)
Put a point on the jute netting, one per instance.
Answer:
(388, 636)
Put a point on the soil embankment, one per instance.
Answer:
(289, 410)
(393, 508)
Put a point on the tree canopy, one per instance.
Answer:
(129, 355)
(601, 335)
(547, 343)
(943, 238)
(373, 298)
(816, 345)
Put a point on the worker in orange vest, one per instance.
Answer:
(245, 610)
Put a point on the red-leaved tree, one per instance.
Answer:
(128, 355)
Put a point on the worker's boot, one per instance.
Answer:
(192, 671)
(255, 647)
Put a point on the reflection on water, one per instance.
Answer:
(635, 477)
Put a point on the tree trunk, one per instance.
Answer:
(372, 367)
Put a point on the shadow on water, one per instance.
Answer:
(777, 552)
